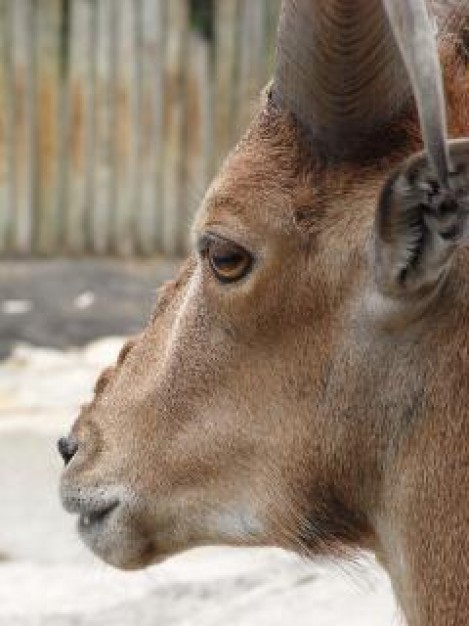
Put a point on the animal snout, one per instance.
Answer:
(67, 447)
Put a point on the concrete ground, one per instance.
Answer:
(47, 578)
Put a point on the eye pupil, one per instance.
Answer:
(227, 261)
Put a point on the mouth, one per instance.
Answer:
(93, 508)
(93, 519)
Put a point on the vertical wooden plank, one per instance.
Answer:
(91, 126)
(106, 109)
(4, 208)
(80, 124)
(3, 163)
(173, 182)
(7, 117)
(227, 14)
(25, 39)
(134, 199)
(149, 220)
(198, 120)
(47, 210)
(272, 11)
(252, 55)
(127, 127)
(63, 122)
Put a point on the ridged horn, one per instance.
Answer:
(338, 69)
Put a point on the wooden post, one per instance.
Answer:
(127, 128)
(106, 15)
(226, 65)
(272, 10)
(48, 212)
(173, 169)
(252, 54)
(25, 40)
(199, 124)
(80, 131)
(150, 219)
(8, 135)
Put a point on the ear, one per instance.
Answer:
(419, 224)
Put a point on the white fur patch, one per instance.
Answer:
(237, 525)
(185, 304)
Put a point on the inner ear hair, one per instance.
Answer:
(419, 223)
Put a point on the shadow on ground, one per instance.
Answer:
(63, 303)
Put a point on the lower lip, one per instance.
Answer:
(88, 521)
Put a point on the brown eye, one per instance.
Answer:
(228, 261)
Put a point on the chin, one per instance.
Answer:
(116, 541)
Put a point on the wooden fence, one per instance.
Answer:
(114, 115)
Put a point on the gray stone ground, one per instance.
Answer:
(60, 303)
(46, 577)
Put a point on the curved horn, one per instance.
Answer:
(338, 69)
(416, 40)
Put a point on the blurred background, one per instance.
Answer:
(114, 115)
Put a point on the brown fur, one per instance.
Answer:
(278, 410)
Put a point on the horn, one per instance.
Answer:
(338, 69)
(416, 40)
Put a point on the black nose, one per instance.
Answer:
(67, 447)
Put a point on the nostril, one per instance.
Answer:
(67, 447)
